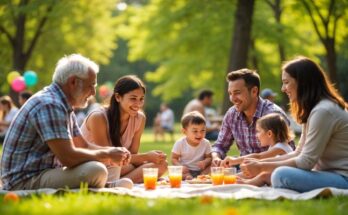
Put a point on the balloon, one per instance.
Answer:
(12, 76)
(18, 84)
(103, 91)
(30, 78)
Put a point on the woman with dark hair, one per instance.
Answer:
(321, 160)
(121, 124)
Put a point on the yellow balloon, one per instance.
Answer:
(12, 76)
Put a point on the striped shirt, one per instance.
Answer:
(45, 116)
(235, 128)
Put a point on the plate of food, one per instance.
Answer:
(201, 179)
(163, 182)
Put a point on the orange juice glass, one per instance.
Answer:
(217, 175)
(150, 178)
(230, 175)
(175, 176)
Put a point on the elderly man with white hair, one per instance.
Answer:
(44, 148)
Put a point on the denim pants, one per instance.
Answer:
(304, 180)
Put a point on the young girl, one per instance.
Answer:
(271, 130)
(122, 124)
(193, 151)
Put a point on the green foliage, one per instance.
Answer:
(190, 41)
(188, 38)
(85, 27)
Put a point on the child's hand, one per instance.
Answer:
(201, 165)
(216, 162)
(188, 177)
(228, 162)
(185, 170)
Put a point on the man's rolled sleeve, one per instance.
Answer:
(225, 138)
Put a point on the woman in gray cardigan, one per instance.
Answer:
(321, 160)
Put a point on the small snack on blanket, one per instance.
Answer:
(201, 179)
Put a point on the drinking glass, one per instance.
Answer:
(217, 175)
(150, 178)
(175, 176)
(230, 175)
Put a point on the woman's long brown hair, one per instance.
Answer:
(123, 85)
(312, 86)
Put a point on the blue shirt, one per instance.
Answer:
(235, 128)
(45, 116)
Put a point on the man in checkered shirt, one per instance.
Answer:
(239, 123)
(44, 148)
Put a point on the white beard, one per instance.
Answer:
(78, 100)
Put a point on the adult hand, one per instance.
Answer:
(250, 168)
(156, 156)
(119, 155)
(216, 162)
(228, 162)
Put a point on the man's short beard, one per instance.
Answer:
(76, 96)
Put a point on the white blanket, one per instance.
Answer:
(194, 190)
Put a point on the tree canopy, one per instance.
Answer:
(34, 34)
(190, 41)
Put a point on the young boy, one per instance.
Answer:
(192, 151)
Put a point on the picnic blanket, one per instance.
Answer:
(234, 191)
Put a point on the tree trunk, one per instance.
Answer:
(19, 58)
(331, 60)
(277, 9)
(240, 42)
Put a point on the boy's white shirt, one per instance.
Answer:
(190, 155)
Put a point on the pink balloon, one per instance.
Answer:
(18, 84)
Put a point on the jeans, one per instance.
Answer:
(304, 180)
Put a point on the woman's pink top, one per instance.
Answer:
(133, 126)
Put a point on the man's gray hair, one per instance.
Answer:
(73, 65)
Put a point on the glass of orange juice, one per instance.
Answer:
(175, 176)
(230, 175)
(150, 178)
(217, 175)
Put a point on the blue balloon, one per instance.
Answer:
(30, 78)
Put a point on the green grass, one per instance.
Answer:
(91, 203)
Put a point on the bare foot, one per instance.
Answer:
(256, 181)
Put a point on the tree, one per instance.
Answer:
(325, 16)
(189, 40)
(240, 41)
(35, 33)
(191, 43)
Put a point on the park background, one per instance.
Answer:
(177, 47)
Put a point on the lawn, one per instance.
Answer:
(90, 203)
